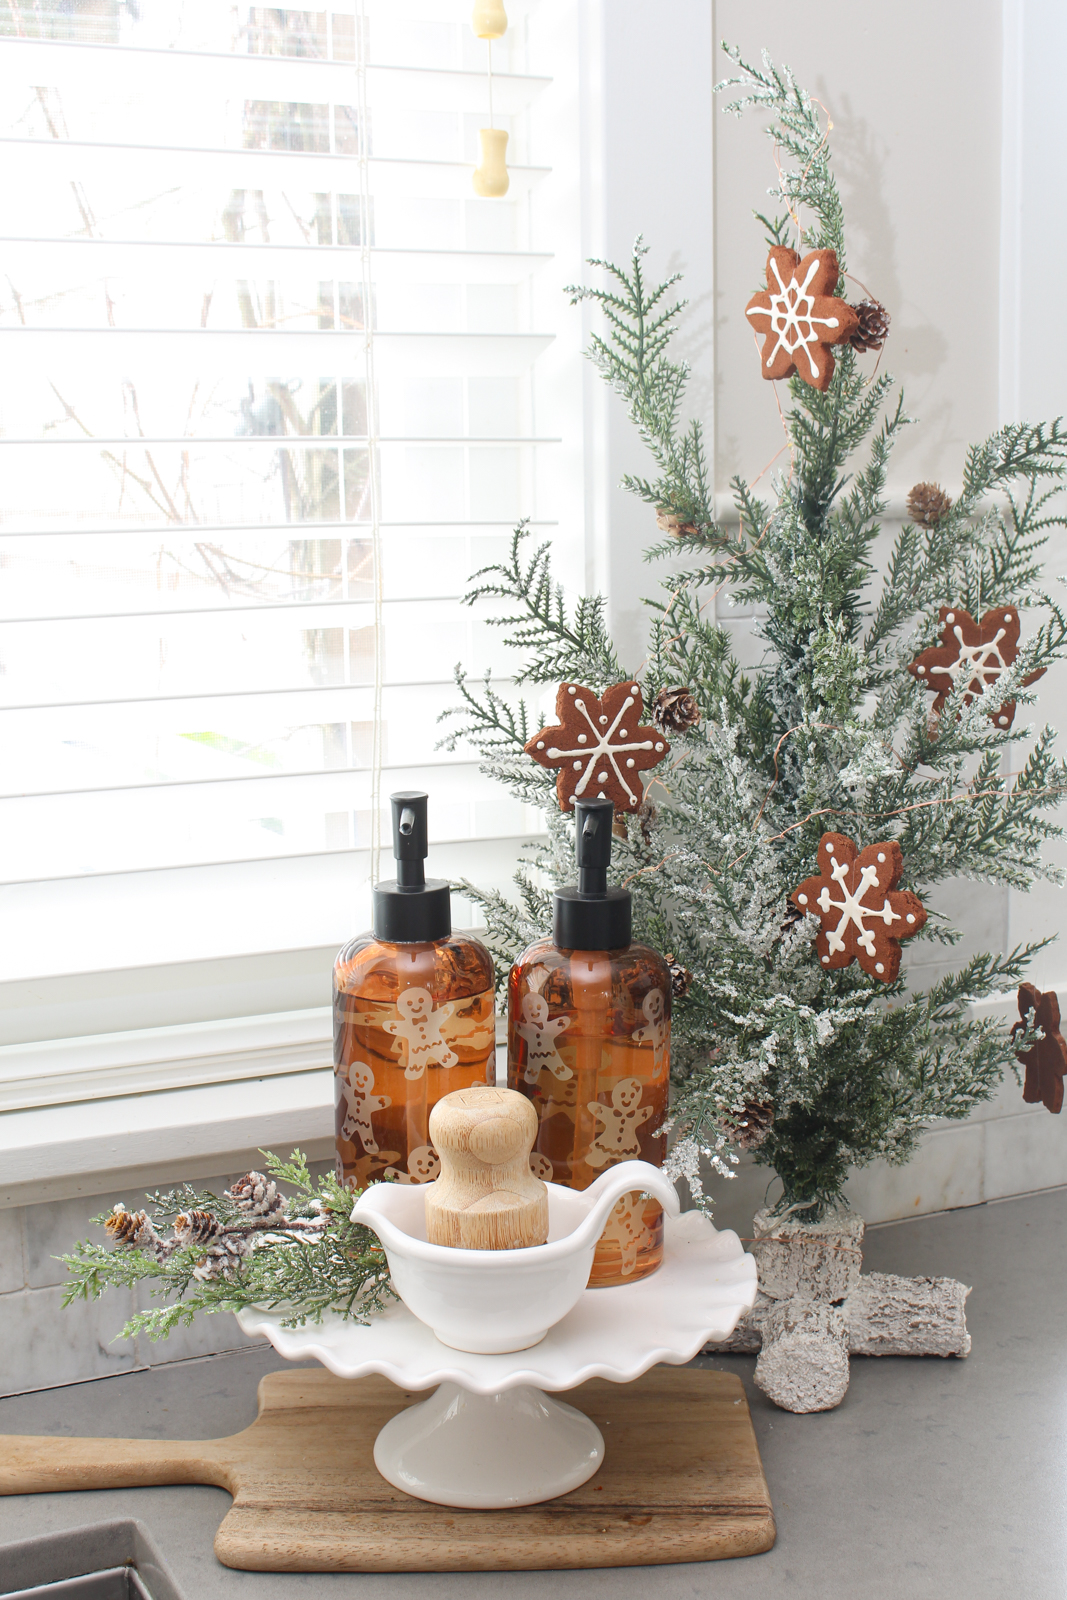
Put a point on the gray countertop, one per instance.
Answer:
(933, 1479)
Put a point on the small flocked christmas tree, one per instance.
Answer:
(800, 814)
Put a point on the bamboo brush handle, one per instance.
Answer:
(486, 1197)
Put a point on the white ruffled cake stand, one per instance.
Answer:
(491, 1435)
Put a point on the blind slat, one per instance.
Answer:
(192, 697)
(31, 161)
(431, 761)
(317, 529)
(159, 613)
(195, 352)
(250, 258)
(286, 441)
(239, 75)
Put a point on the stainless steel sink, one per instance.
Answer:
(106, 1561)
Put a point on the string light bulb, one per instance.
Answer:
(490, 21)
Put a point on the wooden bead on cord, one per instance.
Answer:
(486, 1197)
(491, 175)
(489, 19)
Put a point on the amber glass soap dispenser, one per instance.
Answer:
(413, 1017)
(589, 1017)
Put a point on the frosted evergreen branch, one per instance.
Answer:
(634, 363)
(488, 721)
(560, 646)
(223, 1257)
(795, 127)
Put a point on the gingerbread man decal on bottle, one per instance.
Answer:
(657, 1029)
(608, 1001)
(616, 1138)
(413, 1017)
(418, 1032)
(540, 1032)
(355, 1089)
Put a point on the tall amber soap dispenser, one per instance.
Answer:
(589, 1018)
(413, 1017)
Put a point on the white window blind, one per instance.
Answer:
(271, 378)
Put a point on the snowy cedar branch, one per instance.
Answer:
(250, 1246)
(830, 733)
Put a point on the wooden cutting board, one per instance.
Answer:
(681, 1481)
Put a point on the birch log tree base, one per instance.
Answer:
(815, 1309)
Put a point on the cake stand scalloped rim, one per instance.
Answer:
(705, 1283)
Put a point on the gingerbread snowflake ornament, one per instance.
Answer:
(973, 653)
(863, 914)
(599, 746)
(1045, 1061)
(801, 316)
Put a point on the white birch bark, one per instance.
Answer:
(803, 1365)
(805, 1270)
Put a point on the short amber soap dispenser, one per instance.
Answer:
(413, 1017)
(589, 1017)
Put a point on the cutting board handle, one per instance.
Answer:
(32, 1465)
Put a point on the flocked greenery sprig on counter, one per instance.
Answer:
(818, 1071)
(250, 1246)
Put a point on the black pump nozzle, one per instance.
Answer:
(411, 910)
(409, 837)
(593, 840)
(592, 916)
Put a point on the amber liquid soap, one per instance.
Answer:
(413, 1018)
(589, 1044)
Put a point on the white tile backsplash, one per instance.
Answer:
(946, 1171)
(42, 1346)
(1025, 1153)
(12, 1266)
(53, 1229)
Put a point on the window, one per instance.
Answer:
(274, 384)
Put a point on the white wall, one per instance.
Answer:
(650, 173)
(1033, 364)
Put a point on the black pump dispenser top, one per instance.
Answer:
(592, 916)
(411, 909)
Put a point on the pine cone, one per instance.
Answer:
(647, 817)
(195, 1227)
(131, 1228)
(927, 504)
(669, 522)
(223, 1259)
(873, 326)
(675, 710)
(257, 1195)
(750, 1129)
(681, 977)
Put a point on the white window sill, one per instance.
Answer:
(117, 1112)
(58, 1152)
(147, 1060)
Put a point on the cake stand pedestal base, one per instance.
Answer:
(488, 1451)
